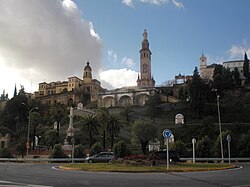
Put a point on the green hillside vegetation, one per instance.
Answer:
(106, 127)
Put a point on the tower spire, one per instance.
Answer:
(15, 91)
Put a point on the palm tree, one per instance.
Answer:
(91, 128)
(57, 111)
(113, 128)
(35, 120)
(103, 116)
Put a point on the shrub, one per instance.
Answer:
(96, 148)
(79, 151)
(121, 149)
(57, 152)
(5, 153)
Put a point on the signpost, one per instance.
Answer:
(167, 134)
(193, 141)
(228, 144)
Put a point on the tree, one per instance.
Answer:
(15, 114)
(50, 138)
(236, 76)
(144, 131)
(203, 147)
(197, 93)
(91, 128)
(168, 83)
(58, 112)
(113, 128)
(5, 153)
(96, 148)
(152, 105)
(222, 79)
(79, 151)
(121, 149)
(35, 119)
(126, 113)
(246, 68)
(103, 116)
(181, 148)
(57, 152)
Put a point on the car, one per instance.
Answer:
(162, 155)
(101, 157)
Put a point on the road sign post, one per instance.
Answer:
(228, 144)
(167, 134)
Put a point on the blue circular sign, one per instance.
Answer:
(228, 138)
(167, 133)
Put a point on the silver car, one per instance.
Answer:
(101, 157)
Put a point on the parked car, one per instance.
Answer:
(101, 157)
(162, 155)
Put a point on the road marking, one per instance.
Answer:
(20, 184)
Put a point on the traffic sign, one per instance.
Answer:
(27, 145)
(167, 133)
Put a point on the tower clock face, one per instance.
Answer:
(145, 68)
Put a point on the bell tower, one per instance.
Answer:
(145, 79)
(203, 65)
(87, 74)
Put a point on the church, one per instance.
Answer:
(136, 95)
(71, 92)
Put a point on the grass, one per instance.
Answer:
(114, 167)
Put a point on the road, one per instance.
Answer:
(22, 174)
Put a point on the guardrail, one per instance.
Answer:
(69, 160)
(216, 159)
(42, 159)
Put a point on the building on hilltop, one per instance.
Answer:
(206, 72)
(72, 91)
(133, 95)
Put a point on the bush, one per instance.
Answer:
(121, 149)
(57, 152)
(96, 148)
(79, 151)
(5, 153)
(21, 149)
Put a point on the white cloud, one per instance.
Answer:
(238, 51)
(177, 4)
(45, 41)
(155, 2)
(119, 77)
(128, 62)
(214, 60)
(112, 56)
(128, 3)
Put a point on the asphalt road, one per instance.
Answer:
(14, 174)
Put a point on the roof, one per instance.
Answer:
(232, 61)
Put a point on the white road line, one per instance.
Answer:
(21, 184)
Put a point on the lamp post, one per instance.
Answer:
(221, 145)
(28, 134)
(193, 142)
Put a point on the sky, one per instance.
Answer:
(51, 40)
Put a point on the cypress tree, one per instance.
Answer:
(246, 68)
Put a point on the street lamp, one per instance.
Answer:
(28, 135)
(221, 145)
